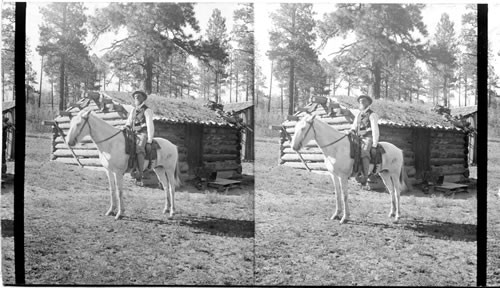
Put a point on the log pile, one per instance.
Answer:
(447, 155)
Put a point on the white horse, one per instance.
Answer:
(336, 150)
(110, 142)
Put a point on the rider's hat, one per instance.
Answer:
(367, 97)
(140, 93)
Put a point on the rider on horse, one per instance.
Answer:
(366, 126)
(140, 120)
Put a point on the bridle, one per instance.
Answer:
(311, 125)
(90, 131)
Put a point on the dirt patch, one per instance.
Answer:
(434, 243)
(68, 240)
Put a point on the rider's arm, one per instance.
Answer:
(130, 118)
(375, 130)
(149, 122)
(354, 125)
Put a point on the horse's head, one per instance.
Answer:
(302, 132)
(78, 127)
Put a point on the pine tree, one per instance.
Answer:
(61, 42)
(445, 51)
(382, 32)
(291, 44)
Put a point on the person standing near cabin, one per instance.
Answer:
(366, 126)
(140, 120)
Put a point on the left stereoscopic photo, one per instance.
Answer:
(139, 144)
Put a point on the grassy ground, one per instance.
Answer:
(493, 248)
(69, 240)
(434, 242)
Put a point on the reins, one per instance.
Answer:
(311, 124)
(90, 131)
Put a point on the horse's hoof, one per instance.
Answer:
(335, 217)
(343, 220)
(118, 216)
(391, 214)
(165, 211)
(110, 213)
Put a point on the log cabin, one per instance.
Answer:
(245, 110)
(205, 140)
(430, 143)
(469, 115)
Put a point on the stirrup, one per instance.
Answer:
(139, 183)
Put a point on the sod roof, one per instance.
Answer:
(402, 114)
(175, 110)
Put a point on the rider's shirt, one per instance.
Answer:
(366, 124)
(141, 120)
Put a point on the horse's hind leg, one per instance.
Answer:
(112, 185)
(162, 176)
(397, 192)
(171, 188)
(345, 192)
(336, 186)
(386, 177)
(119, 192)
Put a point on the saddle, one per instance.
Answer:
(130, 149)
(355, 146)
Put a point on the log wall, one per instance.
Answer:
(221, 146)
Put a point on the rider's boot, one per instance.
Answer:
(140, 166)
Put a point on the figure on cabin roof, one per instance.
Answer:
(140, 120)
(365, 125)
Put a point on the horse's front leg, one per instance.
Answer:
(336, 187)
(119, 193)
(345, 192)
(111, 182)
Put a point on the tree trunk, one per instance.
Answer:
(217, 87)
(445, 92)
(247, 85)
(148, 68)
(237, 86)
(377, 76)
(465, 91)
(270, 88)
(61, 83)
(40, 95)
(170, 84)
(52, 95)
(157, 83)
(291, 89)
(281, 101)
(231, 81)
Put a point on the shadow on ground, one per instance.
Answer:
(221, 226)
(7, 228)
(210, 225)
(431, 228)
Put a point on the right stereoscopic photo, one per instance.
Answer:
(366, 158)
(493, 228)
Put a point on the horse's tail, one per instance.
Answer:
(403, 176)
(177, 173)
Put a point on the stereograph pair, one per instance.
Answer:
(250, 144)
